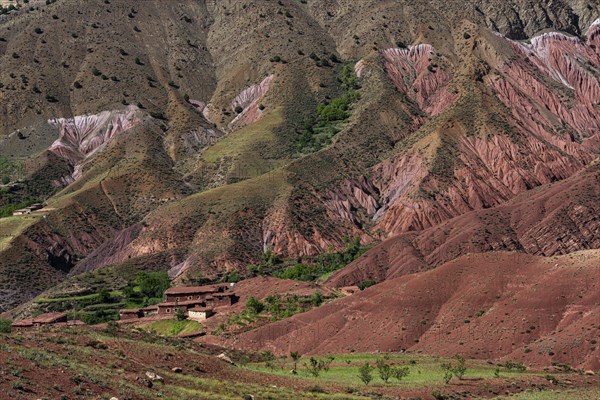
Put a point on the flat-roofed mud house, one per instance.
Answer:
(184, 299)
(50, 319)
(194, 292)
(209, 296)
(135, 313)
(200, 313)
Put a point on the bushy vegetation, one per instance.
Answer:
(450, 369)
(8, 210)
(274, 308)
(310, 269)
(5, 326)
(365, 373)
(151, 284)
(315, 366)
(387, 371)
(11, 170)
(143, 289)
(366, 284)
(328, 118)
(324, 264)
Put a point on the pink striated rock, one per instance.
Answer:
(568, 61)
(82, 136)
(359, 68)
(248, 100)
(409, 70)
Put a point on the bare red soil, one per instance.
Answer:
(492, 306)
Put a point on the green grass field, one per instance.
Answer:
(11, 227)
(425, 372)
(172, 327)
(242, 141)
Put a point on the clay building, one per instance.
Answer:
(184, 299)
(135, 313)
(49, 319)
(200, 313)
(194, 292)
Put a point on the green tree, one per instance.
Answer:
(317, 298)
(457, 370)
(460, 368)
(153, 284)
(295, 357)
(385, 370)
(365, 373)
(180, 315)
(5, 326)
(254, 305)
(313, 366)
(365, 284)
(104, 296)
(400, 372)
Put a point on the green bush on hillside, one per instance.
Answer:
(328, 118)
(5, 326)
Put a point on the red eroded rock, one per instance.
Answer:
(412, 73)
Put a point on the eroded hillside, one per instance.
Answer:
(172, 136)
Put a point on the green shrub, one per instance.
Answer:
(5, 326)
(254, 305)
(384, 370)
(366, 284)
(457, 370)
(153, 284)
(365, 373)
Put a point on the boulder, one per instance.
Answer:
(176, 370)
(154, 377)
(225, 358)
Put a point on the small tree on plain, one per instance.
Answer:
(365, 373)
(400, 372)
(180, 315)
(295, 357)
(384, 370)
(457, 370)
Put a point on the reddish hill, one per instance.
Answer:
(555, 219)
(496, 305)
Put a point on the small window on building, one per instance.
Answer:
(168, 310)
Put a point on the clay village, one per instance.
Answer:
(195, 303)
(183, 311)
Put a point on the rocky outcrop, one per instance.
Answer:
(415, 74)
(82, 136)
(551, 90)
(555, 219)
(246, 104)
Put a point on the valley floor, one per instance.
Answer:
(115, 362)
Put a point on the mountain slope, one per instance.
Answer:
(554, 219)
(495, 306)
(161, 140)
